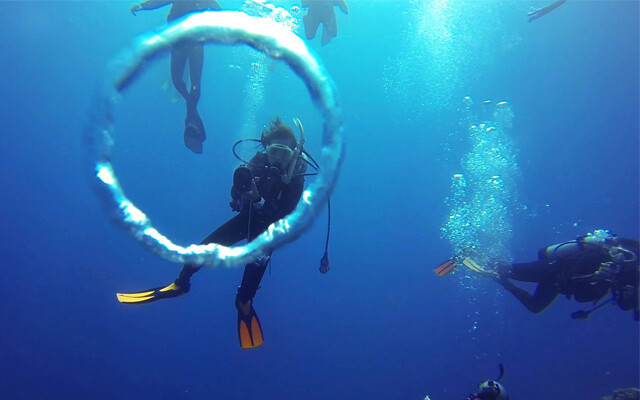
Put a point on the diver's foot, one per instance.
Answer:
(151, 295)
(490, 274)
(244, 308)
(194, 134)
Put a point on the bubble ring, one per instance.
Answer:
(230, 28)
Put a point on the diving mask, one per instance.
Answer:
(279, 155)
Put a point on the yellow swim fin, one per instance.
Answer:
(151, 295)
(472, 265)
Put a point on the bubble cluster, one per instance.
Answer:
(426, 67)
(483, 195)
(439, 51)
(259, 62)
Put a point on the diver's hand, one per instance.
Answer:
(343, 6)
(252, 194)
(135, 8)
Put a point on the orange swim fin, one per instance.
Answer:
(444, 268)
(249, 329)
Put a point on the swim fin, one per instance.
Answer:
(151, 295)
(249, 328)
(444, 268)
(472, 265)
(194, 131)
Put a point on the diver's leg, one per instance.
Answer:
(194, 133)
(196, 62)
(249, 327)
(229, 233)
(178, 62)
(254, 271)
(311, 23)
(251, 278)
(544, 295)
(536, 271)
(329, 28)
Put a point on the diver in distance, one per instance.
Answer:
(265, 189)
(322, 12)
(586, 269)
(535, 14)
(489, 389)
(193, 52)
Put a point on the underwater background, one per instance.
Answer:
(380, 324)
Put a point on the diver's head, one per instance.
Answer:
(279, 141)
(491, 390)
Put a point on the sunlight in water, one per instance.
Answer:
(428, 61)
(442, 42)
(259, 63)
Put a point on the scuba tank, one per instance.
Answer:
(599, 240)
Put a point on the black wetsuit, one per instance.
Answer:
(574, 277)
(277, 200)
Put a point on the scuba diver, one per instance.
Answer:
(265, 189)
(535, 14)
(190, 51)
(585, 269)
(489, 389)
(322, 12)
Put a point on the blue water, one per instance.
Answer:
(380, 325)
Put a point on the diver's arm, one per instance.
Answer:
(149, 5)
(243, 189)
(533, 15)
(545, 295)
(153, 4)
(291, 193)
(239, 199)
(343, 6)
